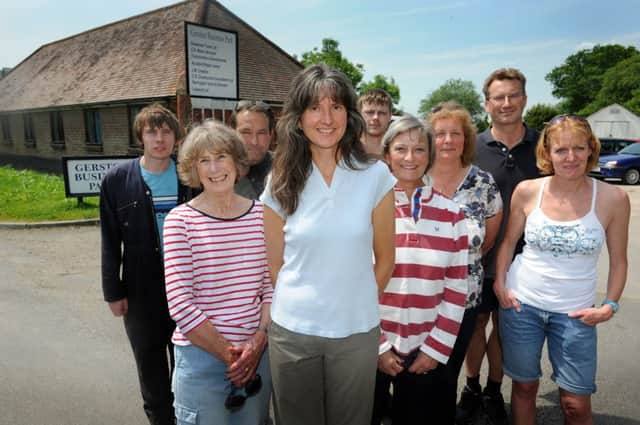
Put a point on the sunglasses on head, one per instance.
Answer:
(235, 401)
(563, 117)
(443, 105)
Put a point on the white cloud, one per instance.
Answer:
(585, 45)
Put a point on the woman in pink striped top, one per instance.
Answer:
(423, 304)
(218, 287)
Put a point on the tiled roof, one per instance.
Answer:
(266, 71)
(138, 58)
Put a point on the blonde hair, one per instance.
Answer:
(403, 124)
(210, 136)
(571, 123)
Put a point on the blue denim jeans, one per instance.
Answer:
(200, 387)
(571, 344)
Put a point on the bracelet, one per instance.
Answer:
(614, 305)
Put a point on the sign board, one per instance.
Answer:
(212, 62)
(83, 174)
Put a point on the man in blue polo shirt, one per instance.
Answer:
(507, 151)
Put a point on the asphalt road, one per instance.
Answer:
(65, 360)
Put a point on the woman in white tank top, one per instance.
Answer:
(548, 292)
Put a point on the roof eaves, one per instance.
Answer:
(101, 27)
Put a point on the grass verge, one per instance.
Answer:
(27, 195)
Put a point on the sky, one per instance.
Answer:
(420, 43)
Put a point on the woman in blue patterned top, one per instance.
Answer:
(478, 196)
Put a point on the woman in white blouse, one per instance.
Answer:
(327, 206)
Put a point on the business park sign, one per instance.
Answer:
(83, 174)
(212, 62)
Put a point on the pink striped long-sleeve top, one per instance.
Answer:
(423, 304)
(216, 270)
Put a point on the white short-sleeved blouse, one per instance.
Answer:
(326, 286)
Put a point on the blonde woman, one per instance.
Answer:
(548, 292)
(218, 287)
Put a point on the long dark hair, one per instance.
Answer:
(292, 157)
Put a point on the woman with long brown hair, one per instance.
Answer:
(328, 206)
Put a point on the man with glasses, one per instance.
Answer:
(507, 151)
(255, 122)
(375, 107)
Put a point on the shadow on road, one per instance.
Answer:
(551, 413)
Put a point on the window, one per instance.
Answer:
(94, 127)
(57, 127)
(133, 112)
(6, 129)
(29, 134)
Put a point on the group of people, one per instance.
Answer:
(349, 275)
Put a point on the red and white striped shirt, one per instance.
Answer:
(216, 270)
(423, 304)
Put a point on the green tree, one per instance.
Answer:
(579, 79)
(634, 103)
(482, 124)
(387, 84)
(620, 84)
(463, 92)
(331, 55)
(538, 115)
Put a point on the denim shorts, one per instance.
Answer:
(571, 344)
(200, 387)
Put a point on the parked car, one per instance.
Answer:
(623, 165)
(609, 145)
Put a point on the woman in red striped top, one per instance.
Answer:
(423, 304)
(218, 287)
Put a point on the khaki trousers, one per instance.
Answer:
(323, 381)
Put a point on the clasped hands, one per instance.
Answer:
(392, 364)
(242, 361)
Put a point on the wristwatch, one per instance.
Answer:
(614, 305)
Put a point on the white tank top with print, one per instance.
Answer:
(556, 270)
